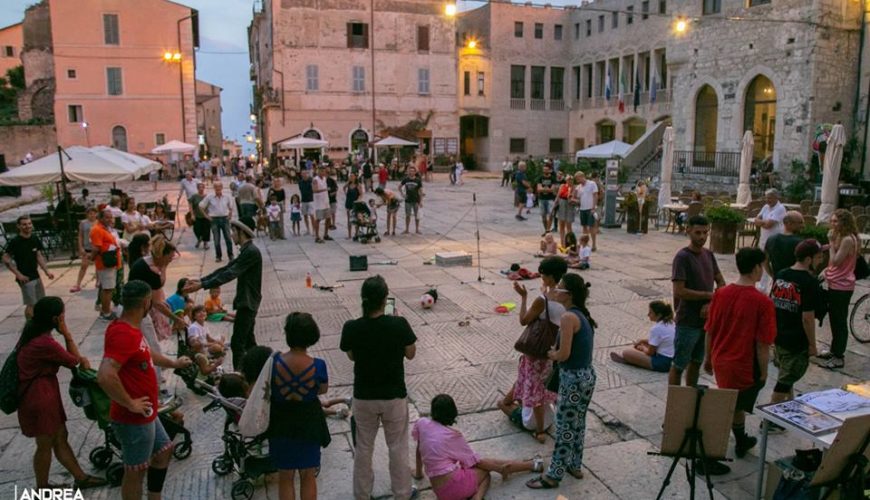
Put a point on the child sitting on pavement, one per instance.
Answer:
(180, 303)
(657, 352)
(215, 308)
(208, 351)
(583, 255)
(548, 246)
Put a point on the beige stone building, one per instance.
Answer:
(342, 72)
(11, 43)
(208, 119)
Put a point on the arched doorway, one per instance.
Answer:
(359, 141)
(312, 134)
(633, 129)
(706, 120)
(474, 141)
(605, 131)
(119, 138)
(759, 115)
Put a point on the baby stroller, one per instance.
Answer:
(249, 457)
(88, 395)
(190, 375)
(366, 222)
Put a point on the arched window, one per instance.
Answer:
(359, 140)
(119, 138)
(633, 129)
(759, 115)
(706, 119)
(312, 134)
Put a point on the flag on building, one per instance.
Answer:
(622, 92)
(607, 89)
(636, 100)
(652, 90)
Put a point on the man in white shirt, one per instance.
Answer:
(188, 185)
(586, 193)
(769, 219)
(218, 209)
(321, 205)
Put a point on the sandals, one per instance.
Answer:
(75, 289)
(616, 358)
(575, 473)
(541, 483)
(89, 482)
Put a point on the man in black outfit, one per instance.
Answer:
(24, 256)
(248, 269)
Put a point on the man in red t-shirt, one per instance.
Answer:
(128, 377)
(741, 326)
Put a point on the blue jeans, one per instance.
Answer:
(221, 225)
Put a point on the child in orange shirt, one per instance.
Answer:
(215, 308)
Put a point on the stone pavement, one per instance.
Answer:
(476, 363)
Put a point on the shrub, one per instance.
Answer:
(724, 215)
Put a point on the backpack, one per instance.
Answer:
(9, 384)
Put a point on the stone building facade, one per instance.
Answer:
(11, 43)
(208, 119)
(313, 64)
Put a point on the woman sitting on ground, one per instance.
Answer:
(454, 470)
(657, 352)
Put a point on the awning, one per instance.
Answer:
(174, 147)
(605, 151)
(392, 141)
(300, 142)
(80, 164)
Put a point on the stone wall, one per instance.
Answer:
(17, 140)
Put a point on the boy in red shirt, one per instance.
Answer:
(741, 326)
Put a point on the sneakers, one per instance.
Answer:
(711, 467)
(825, 355)
(327, 238)
(833, 362)
(744, 444)
(520, 217)
(109, 317)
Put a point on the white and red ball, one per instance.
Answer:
(427, 301)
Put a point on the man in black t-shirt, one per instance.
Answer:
(24, 256)
(367, 175)
(546, 191)
(306, 196)
(795, 295)
(780, 247)
(412, 190)
(332, 193)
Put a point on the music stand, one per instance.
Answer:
(701, 435)
(477, 236)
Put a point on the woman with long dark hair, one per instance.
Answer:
(573, 353)
(40, 408)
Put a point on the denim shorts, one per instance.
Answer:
(546, 206)
(688, 346)
(661, 363)
(140, 442)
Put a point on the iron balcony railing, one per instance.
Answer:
(717, 163)
(538, 104)
(518, 103)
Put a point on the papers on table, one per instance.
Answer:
(835, 401)
(803, 416)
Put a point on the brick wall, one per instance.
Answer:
(17, 140)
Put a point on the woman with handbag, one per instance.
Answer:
(541, 320)
(573, 353)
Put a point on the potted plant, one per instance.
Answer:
(47, 192)
(724, 223)
(632, 216)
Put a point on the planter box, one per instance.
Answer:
(723, 237)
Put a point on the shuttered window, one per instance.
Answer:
(357, 35)
(111, 31)
(423, 38)
(114, 85)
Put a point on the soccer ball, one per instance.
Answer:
(427, 301)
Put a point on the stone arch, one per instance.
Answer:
(351, 139)
(119, 138)
(310, 132)
(766, 127)
(605, 130)
(691, 114)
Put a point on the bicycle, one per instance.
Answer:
(859, 319)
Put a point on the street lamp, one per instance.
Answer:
(87, 137)
(450, 9)
(681, 25)
(253, 117)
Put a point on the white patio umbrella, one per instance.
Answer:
(140, 164)
(744, 194)
(831, 173)
(391, 141)
(667, 167)
(303, 143)
(174, 147)
(79, 164)
(605, 151)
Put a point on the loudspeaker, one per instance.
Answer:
(7, 190)
(359, 262)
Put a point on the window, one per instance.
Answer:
(311, 81)
(576, 31)
(754, 3)
(113, 81)
(518, 29)
(712, 6)
(71, 74)
(538, 82)
(423, 81)
(518, 82)
(614, 20)
(466, 83)
(557, 32)
(663, 6)
(359, 79)
(517, 145)
(539, 30)
(159, 139)
(629, 17)
(644, 8)
(9, 51)
(589, 27)
(76, 115)
(481, 83)
(110, 29)
(423, 38)
(557, 82)
(557, 146)
(601, 23)
(357, 35)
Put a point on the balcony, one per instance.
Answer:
(714, 164)
(538, 105)
(557, 105)
(662, 103)
(271, 97)
(518, 103)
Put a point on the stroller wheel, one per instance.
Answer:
(101, 457)
(243, 489)
(222, 465)
(115, 473)
(377, 239)
(182, 450)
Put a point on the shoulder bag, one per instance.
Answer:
(539, 336)
(255, 417)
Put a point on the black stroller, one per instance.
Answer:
(366, 222)
(88, 395)
(190, 375)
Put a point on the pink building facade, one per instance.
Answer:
(125, 73)
(11, 42)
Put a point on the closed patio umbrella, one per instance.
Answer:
(831, 173)
(744, 193)
(173, 147)
(667, 167)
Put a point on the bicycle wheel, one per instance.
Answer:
(859, 320)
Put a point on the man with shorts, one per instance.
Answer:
(306, 197)
(24, 256)
(332, 191)
(320, 191)
(795, 295)
(411, 188)
(741, 326)
(546, 192)
(107, 247)
(586, 193)
(127, 376)
(523, 185)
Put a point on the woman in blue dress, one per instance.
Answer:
(297, 424)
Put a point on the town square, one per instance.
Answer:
(418, 249)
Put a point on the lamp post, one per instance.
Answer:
(87, 136)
